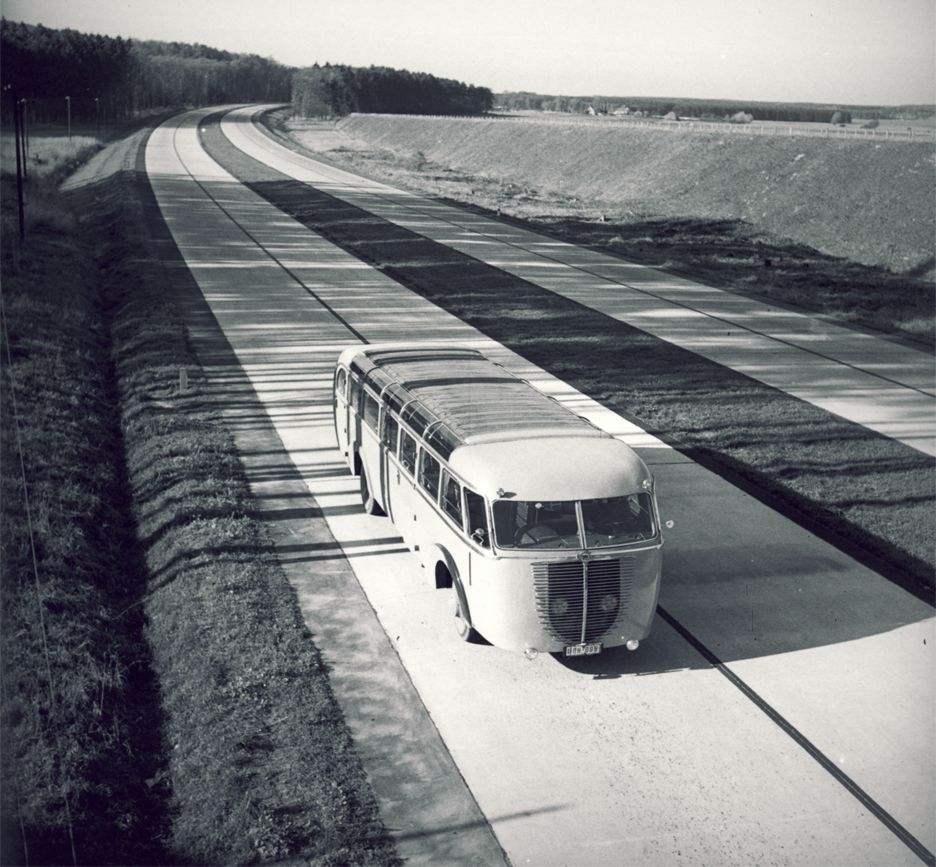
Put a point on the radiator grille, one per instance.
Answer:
(578, 601)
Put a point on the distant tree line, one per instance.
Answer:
(107, 77)
(111, 77)
(792, 112)
(170, 74)
(338, 90)
(37, 63)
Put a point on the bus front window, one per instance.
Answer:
(617, 520)
(531, 524)
(477, 518)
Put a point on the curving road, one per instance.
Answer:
(781, 712)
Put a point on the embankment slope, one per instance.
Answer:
(867, 201)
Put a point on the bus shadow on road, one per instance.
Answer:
(724, 603)
(663, 652)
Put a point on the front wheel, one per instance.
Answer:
(371, 506)
(465, 631)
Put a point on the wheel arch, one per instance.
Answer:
(445, 572)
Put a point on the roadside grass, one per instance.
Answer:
(662, 229)
(865, 201)
(78, 700)
(261, 764)
(870, 494)
(46, 156)
(189, 718)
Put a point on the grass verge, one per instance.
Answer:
(80, 753)
(253, 761)
(867, 493)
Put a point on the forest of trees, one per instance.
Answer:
(103, 77)
(339, 90)
(109, 77)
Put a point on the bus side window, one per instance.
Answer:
(341, 382)
(477, 518)
(355, 391)
(390, 428)
(429, 473)
(407, 452)
(451, 498)
(370, 410)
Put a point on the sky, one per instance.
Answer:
(870, 52)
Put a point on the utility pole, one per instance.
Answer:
(18, 136)
(25, 139)
(68, 114)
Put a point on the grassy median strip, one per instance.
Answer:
(862, 491)
(254, 761)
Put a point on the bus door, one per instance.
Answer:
(402, 484)
(389, 437)
(340, 409)
(352, 428)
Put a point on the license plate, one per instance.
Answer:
(583, 649)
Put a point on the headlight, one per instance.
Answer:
(559, 606)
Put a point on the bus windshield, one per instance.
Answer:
(617, 520)
(605, 522)
(521, 524)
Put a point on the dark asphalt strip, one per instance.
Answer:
(295, 199)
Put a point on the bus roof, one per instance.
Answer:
(561, 468)
(496, 430)
(454, 396)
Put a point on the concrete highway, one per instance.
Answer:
(865, 377)
(782, 710)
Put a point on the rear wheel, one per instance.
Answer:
(371, 506)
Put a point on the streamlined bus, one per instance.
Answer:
(545, 527)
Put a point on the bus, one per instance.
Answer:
(544, 528)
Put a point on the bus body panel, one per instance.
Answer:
(403, 503)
